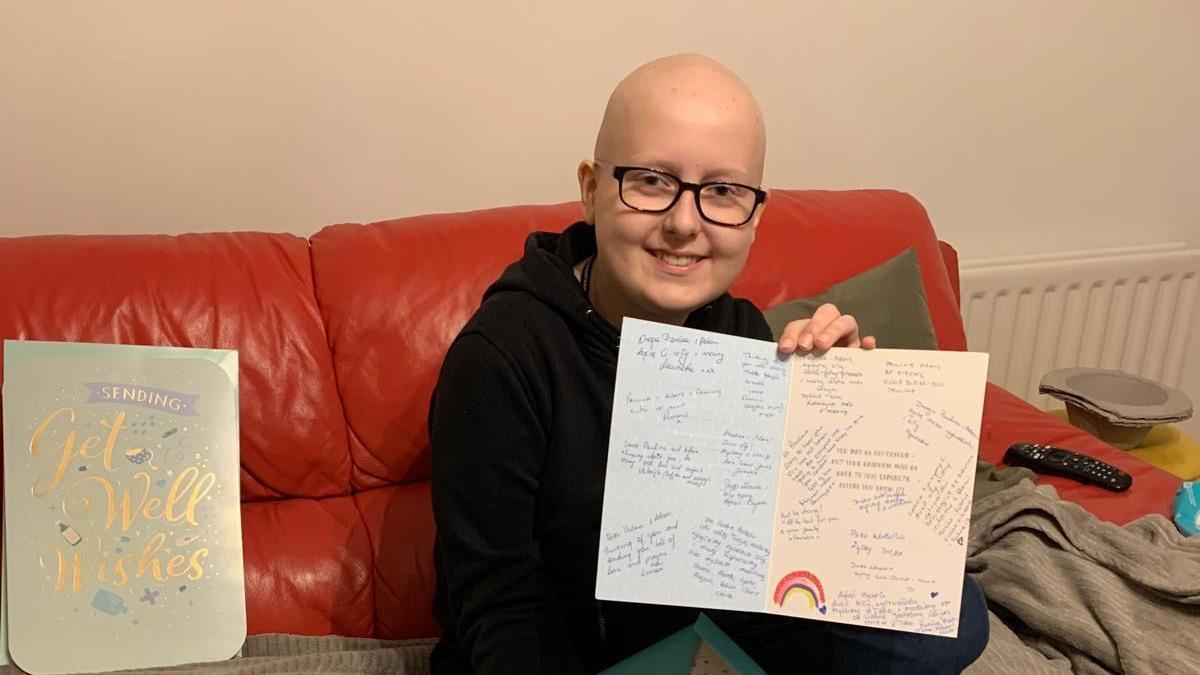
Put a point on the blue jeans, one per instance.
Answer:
(785, 645)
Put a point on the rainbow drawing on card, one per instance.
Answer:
(804, 584)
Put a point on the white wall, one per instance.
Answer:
(1023, 125)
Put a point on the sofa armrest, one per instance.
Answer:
(950, 259)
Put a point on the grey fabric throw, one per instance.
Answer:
(1077, 594)
(294, 655)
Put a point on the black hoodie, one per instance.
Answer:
(519, 427)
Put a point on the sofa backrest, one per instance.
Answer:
(340, 340)
(246, 291)
(395, 293)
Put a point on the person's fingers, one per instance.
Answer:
(841, 332)
(827, 328)
(789, 338)
(821, 318)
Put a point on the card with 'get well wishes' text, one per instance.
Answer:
(122, 527)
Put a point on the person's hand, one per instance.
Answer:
(827, 328)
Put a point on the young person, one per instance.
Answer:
(520, 416)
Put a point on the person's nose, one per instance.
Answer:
(684, 218)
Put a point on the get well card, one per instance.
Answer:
(123, 544)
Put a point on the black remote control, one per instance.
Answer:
(1059, 462)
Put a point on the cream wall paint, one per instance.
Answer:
(1021, 125)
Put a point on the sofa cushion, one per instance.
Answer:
(309, 567)
(887, 301)
(809, 240)
(399, 520)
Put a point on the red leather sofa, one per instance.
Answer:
(340, 339)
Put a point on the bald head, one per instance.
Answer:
(697, 95)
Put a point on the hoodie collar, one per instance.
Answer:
(547, 271)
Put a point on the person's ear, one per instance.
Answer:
(586, 173)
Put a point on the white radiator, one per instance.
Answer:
(1132, 309)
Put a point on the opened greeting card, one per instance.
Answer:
(835, 487)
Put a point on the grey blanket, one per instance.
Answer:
(1071, 593)
(295, 655)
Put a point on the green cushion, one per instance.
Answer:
(888, 301)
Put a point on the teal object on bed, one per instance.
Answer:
(1187, 508)
(675, 654)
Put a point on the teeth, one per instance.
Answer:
(677, 260)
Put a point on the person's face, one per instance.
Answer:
(666, 265)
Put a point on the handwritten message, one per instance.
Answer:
(944, 502)
(803, 524)
(924, 425)
(884, 544)
(911, 376)
(641, 548)
(668, 351)
(828, 385)
(674, 463)
(729, 560)
(673, 407)
(809, 463)
(933, 613)
(761, 376)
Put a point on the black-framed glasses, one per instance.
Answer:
(653, 191)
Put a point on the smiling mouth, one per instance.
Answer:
(679, 261)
